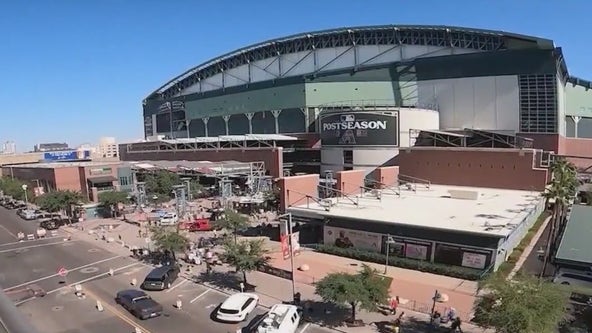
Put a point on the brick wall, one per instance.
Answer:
(295, 189)
(388, 176)
(350, 182)
(493, 168)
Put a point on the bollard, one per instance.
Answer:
(134, 281)
(99, 306)
(111, 272)
(122, 243)
(77, 288)
(242, 287)
(137, 330)
(179, 304)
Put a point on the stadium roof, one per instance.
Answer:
(468, 38)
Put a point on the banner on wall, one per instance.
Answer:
(415, 251)
(346, 238)
(285, 241)
(474, 260)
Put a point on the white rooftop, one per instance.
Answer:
(494, 212)
(58, 164)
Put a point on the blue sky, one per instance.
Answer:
(77, 70)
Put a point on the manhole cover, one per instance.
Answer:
(21, 251)
(93, 250)
(89, 270)
(57, 308)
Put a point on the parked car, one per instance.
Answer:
(571, 277)
(161, 278)
(50, 224)
(138, 303)
(237, 307)
(169, 219)
(26, 214)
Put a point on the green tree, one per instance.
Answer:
(245, 256)
(522, 305)
(14, 188)
(62, 200)
(169, 240)
(161, 183)
(232, 221)
(561, 191)
(366, 290)
(112, 199)
(197, 189)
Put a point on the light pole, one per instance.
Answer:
(289, 229)
(389, 241)
(24, 187)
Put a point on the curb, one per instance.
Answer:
(529, 248)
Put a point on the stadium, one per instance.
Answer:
(352, 98)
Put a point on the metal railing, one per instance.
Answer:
(11, 319)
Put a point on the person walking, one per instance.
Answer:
(455, 326)
(394, 305)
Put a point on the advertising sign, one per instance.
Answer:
(66, 155)
(285, 241)
(474, 260)
(346, 238)
(360, 129)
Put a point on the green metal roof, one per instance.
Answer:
(576, 243)
(294, 43)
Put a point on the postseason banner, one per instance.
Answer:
(360, 129)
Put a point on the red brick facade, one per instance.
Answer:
(494, 168)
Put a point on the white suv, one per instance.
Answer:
(169, 219)
(574, 277)
(237, 307)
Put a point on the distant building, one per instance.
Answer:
(53, 146)
(108, 147)
(8, 148)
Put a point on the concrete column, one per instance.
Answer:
(205, 121)
(576, 120)
(276, 115)
(306, 119)
(226, 119)
(250, 119)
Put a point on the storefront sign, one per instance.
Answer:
(474, 260)
(346, 238)
(360, 129)
(100, 171)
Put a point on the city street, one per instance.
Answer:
(37, 263)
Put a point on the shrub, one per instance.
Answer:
(419, 265)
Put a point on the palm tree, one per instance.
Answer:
(561, 191)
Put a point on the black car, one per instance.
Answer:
(161, 278)
(51, 224)
(138, 303)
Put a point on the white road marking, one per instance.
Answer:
(54, 275)
(211, 306)
(31, 246)
(30, 241)
(304, 328)
(91, 278)
(8, 231)
(175, 286)
(199, 296)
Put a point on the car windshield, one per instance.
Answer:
(141, 298)
(154, 279)
(228, 311)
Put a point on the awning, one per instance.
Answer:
(102, 179)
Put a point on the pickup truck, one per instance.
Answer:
(138, 303)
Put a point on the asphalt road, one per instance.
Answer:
(61, 311)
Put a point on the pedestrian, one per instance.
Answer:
(394, 304)
(139, 233)
(455, 327)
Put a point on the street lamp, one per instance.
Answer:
(24, 187)
(389, 241)
(289, 229)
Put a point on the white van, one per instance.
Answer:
(572, 277)
(169, 219)
(281, 318)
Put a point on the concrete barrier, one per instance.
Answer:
(30, 237)
(99, 306)
(53, 233)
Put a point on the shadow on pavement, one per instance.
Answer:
(325, 314)
(226, 280)
(414, 325)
